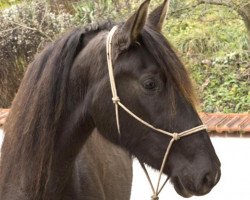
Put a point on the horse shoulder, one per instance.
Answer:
(102, 170)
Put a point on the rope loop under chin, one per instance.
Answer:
(154, 197)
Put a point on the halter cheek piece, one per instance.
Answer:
(116, 100)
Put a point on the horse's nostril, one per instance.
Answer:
(207, 180)
(205, 183)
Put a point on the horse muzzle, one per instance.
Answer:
(197, 184)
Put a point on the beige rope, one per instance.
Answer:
(116, 100)
(115, 97)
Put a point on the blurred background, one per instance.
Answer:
(211, 36)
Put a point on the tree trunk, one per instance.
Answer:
(246, 18)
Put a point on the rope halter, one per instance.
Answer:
(116, 100)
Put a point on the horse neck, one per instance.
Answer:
(19, 180)
(39, 160)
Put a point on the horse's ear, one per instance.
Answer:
(131, 29)
(157, 16)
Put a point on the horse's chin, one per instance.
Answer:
(180, 189)
(183, 190)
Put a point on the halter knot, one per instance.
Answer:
(176, 136)
(154, 197)
(115, 99)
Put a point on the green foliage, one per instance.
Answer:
(207, 33)
(211, 40)
(213, 44)
(225, 83)
(7, 3)
(89, 11)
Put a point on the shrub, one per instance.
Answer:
(224, 83)
(212, 42)
(25, 29)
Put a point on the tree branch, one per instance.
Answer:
(33, 29)
(237, 8)
(240, 9)
(217, 2)
(187, 8)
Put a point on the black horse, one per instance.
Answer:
(66, 93)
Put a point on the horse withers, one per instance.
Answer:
(66, 94)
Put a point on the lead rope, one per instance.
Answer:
(117, 102)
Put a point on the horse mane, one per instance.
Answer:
(164, 54)
(39, 107)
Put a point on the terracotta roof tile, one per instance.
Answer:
(216, 122)
(219, 122)
(3, 114)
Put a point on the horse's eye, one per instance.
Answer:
(149, 84)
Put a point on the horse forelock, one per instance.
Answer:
(165, 56)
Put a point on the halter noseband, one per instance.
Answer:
(116, 100)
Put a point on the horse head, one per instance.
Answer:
(153, 83)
